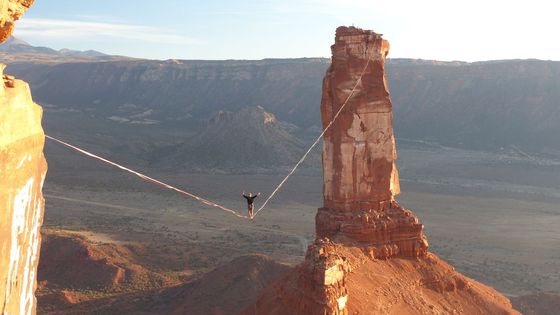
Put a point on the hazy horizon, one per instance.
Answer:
(296, 57)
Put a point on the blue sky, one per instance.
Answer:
(219, 29)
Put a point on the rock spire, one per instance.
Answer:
(370, 255)
(360, 177)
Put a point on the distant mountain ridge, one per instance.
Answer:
(16, 45)
(512, 104)
(15, 49)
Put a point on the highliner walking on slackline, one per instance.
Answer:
(250, 203)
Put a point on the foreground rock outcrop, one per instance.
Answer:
(222, 291)
(370, 255)
(75, 269)
(10, 12)
(22, 172)
(111, 267)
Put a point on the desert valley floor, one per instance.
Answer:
(501, 231)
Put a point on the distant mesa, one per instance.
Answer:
(251, 138)
(476, 106)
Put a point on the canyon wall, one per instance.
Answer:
(22, 172)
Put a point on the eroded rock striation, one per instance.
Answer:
(22, 172)
(370, 255)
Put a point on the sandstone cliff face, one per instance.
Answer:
(370, 255)
(10, 12)
(359, 150)
(22, 172)
(360, 178)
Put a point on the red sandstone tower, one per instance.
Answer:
(359, 150)
(360, 177)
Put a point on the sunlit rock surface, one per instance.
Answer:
(370, 255)
(360, 177)
(22, 172)
(359, 149)
(10, 12)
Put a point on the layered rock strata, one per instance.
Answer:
(370, 255)
(22, 172)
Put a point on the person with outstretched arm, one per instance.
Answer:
(250, 203)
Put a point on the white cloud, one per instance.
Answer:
(76, 29)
